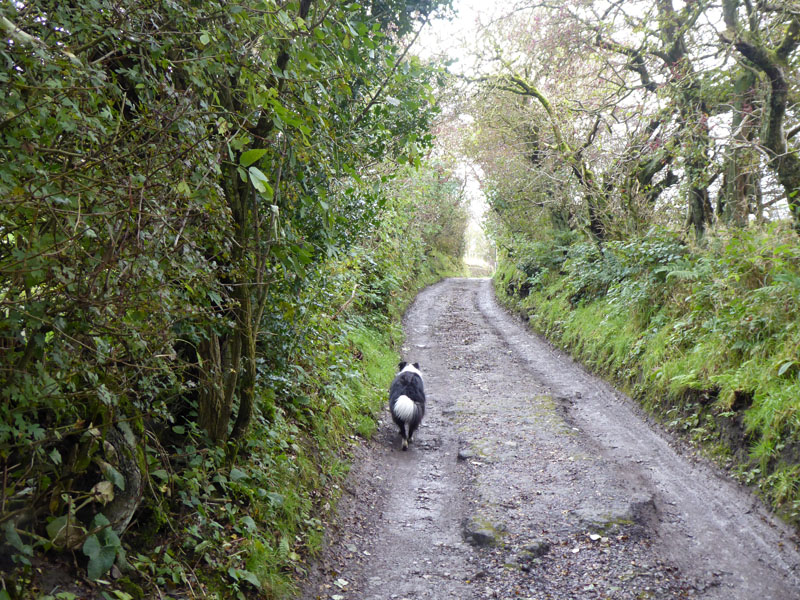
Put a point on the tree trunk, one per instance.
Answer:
(700, 211)
(739, 194)
(216, 387)
(247, 337)
(120, 510)
(771, 61)
(237, 367)
(693, 110)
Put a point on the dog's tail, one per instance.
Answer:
(404, 408)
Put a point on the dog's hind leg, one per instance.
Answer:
(403, 435)
(412, 429)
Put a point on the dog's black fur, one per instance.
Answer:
(407, 400)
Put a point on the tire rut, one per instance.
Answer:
(530, 478)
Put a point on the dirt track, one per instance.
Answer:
(530, 478)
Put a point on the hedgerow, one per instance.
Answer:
(199, 235)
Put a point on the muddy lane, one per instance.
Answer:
(529, 478)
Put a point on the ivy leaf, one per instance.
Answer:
(100, 560)
(65, 532)
(238, 474)
(103, 492)
(91, 546)
(12, 537)
(249, 523)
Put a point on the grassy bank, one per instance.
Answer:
(705, 338)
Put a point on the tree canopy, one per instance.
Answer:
(640, 113)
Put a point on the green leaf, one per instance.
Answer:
(205, 39)
(260, 181)
(275, 498)
(101, 556)
(65, 532)
(785, 367)
(92, 546)
(249, 523)
(250, 156)
(110, 473)
(101, 562)
(100, 520)
(247, 576)
(183, 188)
(12, 537)
(238, 474)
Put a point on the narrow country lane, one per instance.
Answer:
(530, 478)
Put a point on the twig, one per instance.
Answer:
(346, 304)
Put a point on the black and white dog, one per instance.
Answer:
(407, 400)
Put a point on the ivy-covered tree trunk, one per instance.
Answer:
(772, 62)
(219, 360)
(739, 196)
(693, 110)
(700, 213)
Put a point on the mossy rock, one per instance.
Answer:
(480, 532)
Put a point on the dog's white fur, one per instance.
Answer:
(403, 408)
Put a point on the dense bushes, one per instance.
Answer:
(706, 337)
(230, 521)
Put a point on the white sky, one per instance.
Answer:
(455, 38)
